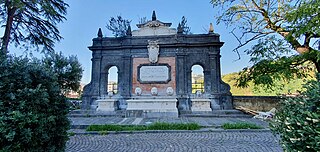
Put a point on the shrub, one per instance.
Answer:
(32, 107)
(298, 120)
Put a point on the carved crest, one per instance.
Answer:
(153, 51)
(154, 24)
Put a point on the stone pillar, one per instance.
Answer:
(214, 73)
(95, 76)
(219, 73)
(181, 82)
(181, 74)
(125, 81)
(207, 82)
(92, 90)
(125, 77)
(103, 83)
(215, 102)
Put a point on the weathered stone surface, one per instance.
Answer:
(178, 51)
(107, 105)
(153, 107)
(258, 103)
(199, 104)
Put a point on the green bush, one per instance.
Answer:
(32, 107)
(241, 125)
(298, 120)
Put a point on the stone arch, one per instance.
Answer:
(112, 79)
(197, 78)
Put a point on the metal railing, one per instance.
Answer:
(112, 87)
(197, 86)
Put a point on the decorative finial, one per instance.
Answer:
(180, 30)
(129, 33)
(99, 33)
(154, 17)
(211, 28)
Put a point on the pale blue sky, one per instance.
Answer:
(86, 16)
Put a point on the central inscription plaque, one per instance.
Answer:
(154, 73)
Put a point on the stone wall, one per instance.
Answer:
(257, 103)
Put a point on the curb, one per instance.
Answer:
(85, 126)
(168, 131)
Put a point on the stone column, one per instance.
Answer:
(207, 82)
(215, 70)
(125, 81)
(104, 83)
(92, 90)
(215, 81)
(125, 77)
(181, 85)
(181, 74)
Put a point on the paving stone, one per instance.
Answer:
(176, 142)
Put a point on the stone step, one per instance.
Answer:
(139, 113)
(217, 115)
(91, 113)
(233, 111)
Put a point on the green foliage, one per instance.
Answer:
(154, 126)
(283, 35)
(241, 125)
(71, 134)
(115, 128)
(118, 26)
(231, 80)
(183, 26)
(33, 22)
(173, 126)
(278, 88)
(68, 70)
(32, 107)
(305, 19)
(298, 120)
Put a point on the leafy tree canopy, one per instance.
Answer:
(68, 70)
(183, 26)
(119, 26)
(31, 23)
(32, 107)
(284, 35)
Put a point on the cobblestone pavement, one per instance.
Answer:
(175, 142)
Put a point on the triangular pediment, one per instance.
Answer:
(155, 23)
(154, 27)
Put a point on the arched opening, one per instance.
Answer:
(197, 79)
(113, 80)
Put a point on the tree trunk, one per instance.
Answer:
(7, 32)
(317, 64)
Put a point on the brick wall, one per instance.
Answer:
(147, 87)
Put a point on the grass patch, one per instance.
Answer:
(173, 126)
(240, 125)
(71, 134)
(154, 126)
